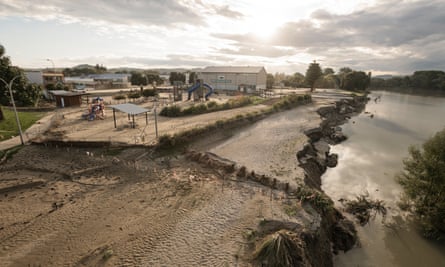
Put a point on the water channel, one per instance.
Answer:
(368, 161)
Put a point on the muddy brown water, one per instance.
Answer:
(368, 161)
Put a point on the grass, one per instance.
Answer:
(280, 249)
(8, 126)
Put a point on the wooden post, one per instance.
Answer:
(114, 117)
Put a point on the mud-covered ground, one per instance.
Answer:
(97, 207)
(68, 206)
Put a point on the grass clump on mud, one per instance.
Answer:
(282, 248)
(362, 206)
(318, 200)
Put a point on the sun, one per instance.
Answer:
(263, 25)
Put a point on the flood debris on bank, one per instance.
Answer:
(362, 208)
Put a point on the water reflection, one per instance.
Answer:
(368, 161)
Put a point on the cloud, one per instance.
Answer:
(391, 34)
(166, 12)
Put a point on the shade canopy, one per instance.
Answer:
(131, 109)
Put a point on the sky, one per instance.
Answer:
(381, 36)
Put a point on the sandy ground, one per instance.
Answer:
(63, 207)
(98, 207)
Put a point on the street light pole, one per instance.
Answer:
(54, 66)
(13, 105)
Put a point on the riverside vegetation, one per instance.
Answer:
(423, 181)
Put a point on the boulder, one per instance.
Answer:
(344, 235)
(332, 160)
(314, 134)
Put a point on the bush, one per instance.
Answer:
(212, 104)
(423, 181)
(172, 111)
(134, 94)
(119, 97)
(149, 92)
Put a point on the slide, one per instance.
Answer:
(210, 91)
(193, 88)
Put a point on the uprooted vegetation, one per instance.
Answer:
(364, 208)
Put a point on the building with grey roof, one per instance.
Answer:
(235, 78)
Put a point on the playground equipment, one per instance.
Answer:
(95, 110)
(198, 85)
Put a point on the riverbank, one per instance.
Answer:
(315, 157)
(70, 203)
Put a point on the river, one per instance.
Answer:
(368, 162)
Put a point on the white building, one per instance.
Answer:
(235, 78)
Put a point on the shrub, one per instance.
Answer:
(212, 104)
(134, 95)
(171, 111)
(423, 181)
(149, 92)
(119, 97)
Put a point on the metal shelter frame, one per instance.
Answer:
(131, 110)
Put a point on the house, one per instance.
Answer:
(99, 81)
(111, 80)
(235, 78)
(80, 83)
(45, 79)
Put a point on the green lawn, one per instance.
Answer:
(8, 126)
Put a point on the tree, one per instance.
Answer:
(270, 81)
(423, 182)
(20, 91)
(313, 73)
(192, 77)
(328, 71)
(176, 76)
(2, 52)
(355, 80)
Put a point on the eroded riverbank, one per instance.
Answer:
(141, 206)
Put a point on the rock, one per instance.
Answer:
(322, 147)
(314, 134)
(338, 137)
(325, 111)
(344, 235)
(332, 160)
(307, 152)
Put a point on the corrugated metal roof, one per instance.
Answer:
(64, 93)
(131, 109)
(232, 69)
